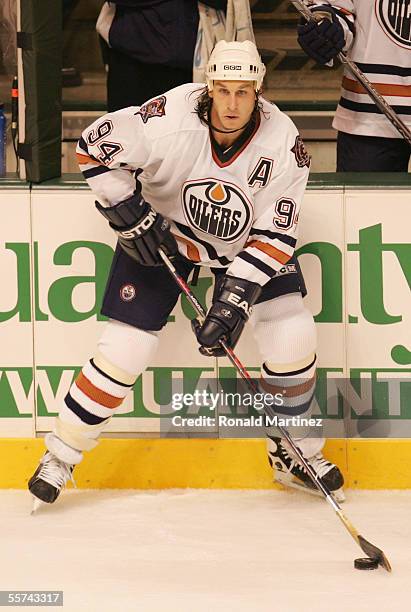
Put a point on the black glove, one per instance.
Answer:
(227, 316)
(324, 40)
(140, 229)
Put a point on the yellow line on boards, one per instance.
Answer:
(205, 463)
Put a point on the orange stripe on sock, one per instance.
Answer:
(288, 391)
(270, 250)
(96, 394)
(385, 89)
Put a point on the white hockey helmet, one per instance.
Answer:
(235, 61)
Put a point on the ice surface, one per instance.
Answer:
(197, 550)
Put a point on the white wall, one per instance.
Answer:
(368, 329)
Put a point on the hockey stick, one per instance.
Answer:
(377, 98)
(370, 549)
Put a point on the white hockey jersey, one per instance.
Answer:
(236, 209)
(382, 50)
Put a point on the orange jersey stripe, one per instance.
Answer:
(86, 159)
(270, 250)
(385, 89)
(96, 394)
(192, 251)
(289, 391)
(343, 10)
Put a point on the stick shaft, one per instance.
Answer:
(377, 98)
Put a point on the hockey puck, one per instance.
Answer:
(365, 563)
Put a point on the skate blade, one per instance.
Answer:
(287, 481)
(37, 503)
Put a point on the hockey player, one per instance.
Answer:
(215, 176)
(376, 35)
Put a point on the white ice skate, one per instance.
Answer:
(291, 473)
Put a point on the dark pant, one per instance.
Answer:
(371, 154)
(130, 83)
(144, 296)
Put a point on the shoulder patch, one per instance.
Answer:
(300, 153)
(153, 108)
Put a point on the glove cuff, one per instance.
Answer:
(125, 214)
(239, 293)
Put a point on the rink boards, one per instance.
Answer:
(355, 253)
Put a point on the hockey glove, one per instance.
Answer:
(324, 40)
(140, 230)
(227, 316)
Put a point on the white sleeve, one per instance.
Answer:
(109, 153)
(273, 236)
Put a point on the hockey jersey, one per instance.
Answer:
(382, 50)
(235, 209)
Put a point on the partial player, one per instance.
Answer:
(376, 35)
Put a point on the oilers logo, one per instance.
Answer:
(217, 208)
(394, 17)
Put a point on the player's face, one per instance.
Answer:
(233, 103)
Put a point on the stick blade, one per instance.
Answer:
(374, 553)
